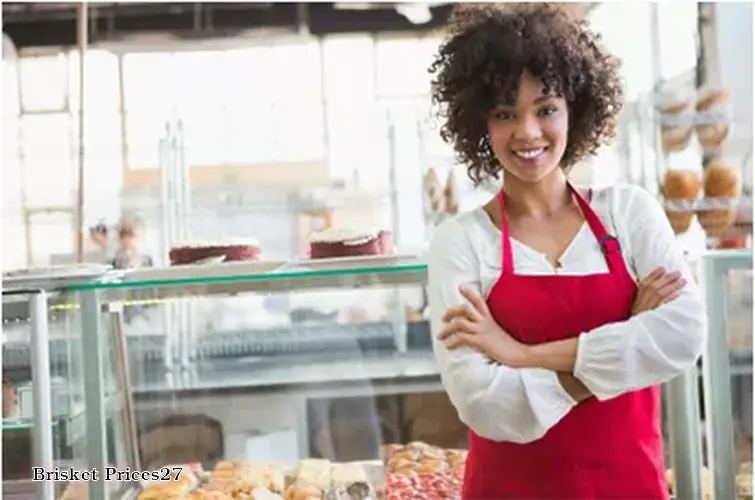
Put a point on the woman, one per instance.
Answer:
(588, 302)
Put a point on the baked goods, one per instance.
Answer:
(713, 126)
(676, 126)
(183, 481)
(10, 406)
(419, 471)
(720, 182)
(435, 195)
(337, 242)
(232, 251)
(681, 185)
(451, 194)
(743, 482)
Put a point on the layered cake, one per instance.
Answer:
(232, 251)
(337, 242)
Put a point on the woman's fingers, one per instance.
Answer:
(476, 301)
(460, 340)
(656, 290)
(670, 288)
(456, 326)
(460, 311)
(654, 275)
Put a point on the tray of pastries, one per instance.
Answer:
(420, 471)
(311, 479)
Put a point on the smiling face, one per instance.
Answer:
(529, 136)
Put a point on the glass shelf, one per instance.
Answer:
(152, 285)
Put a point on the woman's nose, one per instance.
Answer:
(527, 128)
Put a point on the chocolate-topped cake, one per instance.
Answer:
(337, 242)
(232, 251)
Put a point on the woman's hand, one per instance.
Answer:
(659, 287)
(475, 327)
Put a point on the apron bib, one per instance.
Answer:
(600, 450)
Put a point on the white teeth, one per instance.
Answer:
(530, 153)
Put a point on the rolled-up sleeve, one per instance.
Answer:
(654, 346)
(497, 402)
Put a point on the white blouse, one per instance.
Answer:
(520, 405)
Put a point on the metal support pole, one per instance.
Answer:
(41, 394)
(82, 38)
(684, 428)
(94, 390)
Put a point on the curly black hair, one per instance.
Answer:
(480, 63)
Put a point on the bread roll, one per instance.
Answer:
(712, 104)
(680, 185)
(675, 136)
(720, 181)
(315, 472)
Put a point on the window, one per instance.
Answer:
(144, 130)
(46, 134)
(626, 31)
(299, 131)
(248, 81)
(101, 83)
(402, 66)
(678, 43)
(148, 82)
(44, 83)
(350, 82)
(295, 72)
(198, 79)
(203, 135)
(250, 135)
(51, 234)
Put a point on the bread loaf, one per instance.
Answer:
(680, 185)
(720, 181)
(712, 105)
(675, 136)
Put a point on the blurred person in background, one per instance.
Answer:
(557, 311)
(130, 252)
(100, 248)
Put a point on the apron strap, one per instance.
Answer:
(507, 256)
(608, 243)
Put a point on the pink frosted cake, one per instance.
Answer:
(335, 242)
(232, 251)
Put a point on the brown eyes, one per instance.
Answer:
(508, 115)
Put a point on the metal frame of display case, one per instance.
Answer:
(42, 440)
(719, 425)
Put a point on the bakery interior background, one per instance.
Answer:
(210, 123)
(282, 118)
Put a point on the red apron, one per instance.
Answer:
(599, 450)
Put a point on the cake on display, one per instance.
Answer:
(340, 242)
(238, 250)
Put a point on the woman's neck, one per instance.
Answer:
(540, 199)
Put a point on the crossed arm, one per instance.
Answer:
(532, 388)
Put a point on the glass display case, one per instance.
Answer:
(269, 362)
(46, 423)
(204, 366)
(727, 370)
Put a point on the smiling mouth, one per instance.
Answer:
(530, 153)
